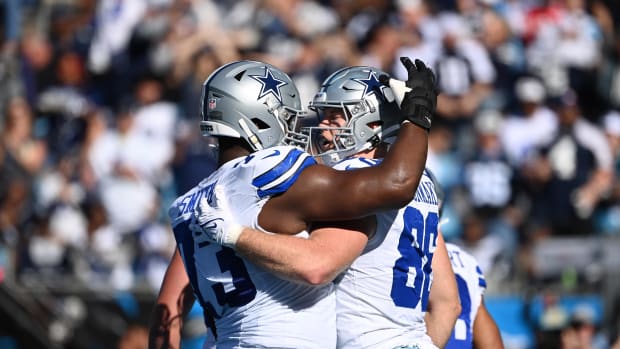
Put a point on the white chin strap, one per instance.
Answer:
(251, 136)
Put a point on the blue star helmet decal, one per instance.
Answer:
(270, 84)
(372, 85)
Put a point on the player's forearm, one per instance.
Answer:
(440, 322)
(441, 316)
(165, 328)
(444, 306)
(173, 302)
(417, 99)
(390, 185)
(404, 164)
(166, 320)
(486, 332)
(289, 257)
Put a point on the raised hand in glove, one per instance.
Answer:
(215, 223)
(417, 97)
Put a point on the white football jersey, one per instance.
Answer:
(252, 308)
(471, 284)
(381, 298)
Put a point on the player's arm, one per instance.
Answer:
(173, 302)
(486, 332)
(322, 193)
(444, 306)
(316, 260)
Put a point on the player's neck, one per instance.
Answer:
(231, 149)
(230, 154)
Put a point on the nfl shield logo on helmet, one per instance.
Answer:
(212, 103)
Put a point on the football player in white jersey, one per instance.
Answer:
(475, 328)
(383, 294)
(252, 107)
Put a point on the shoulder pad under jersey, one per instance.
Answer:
(274, 170)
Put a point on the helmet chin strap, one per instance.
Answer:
(367, 146)
(251, 136)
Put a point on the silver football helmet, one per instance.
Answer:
(253, 101)
(369, 108)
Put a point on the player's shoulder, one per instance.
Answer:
(284, 156)
(182, 207)
(270, 160)
(275, 169)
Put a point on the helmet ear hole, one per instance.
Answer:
(260, 124)
(240, 75)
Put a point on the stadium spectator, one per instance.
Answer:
(465, 74)
(608, 215)
(574, 172)
(490, 229)
(532, 125)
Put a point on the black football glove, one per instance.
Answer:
(417, 95)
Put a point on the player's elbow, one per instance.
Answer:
(448, 306)
(402, 190)
(318, 275)
(456, 309)
(317, 280)
(453, 310)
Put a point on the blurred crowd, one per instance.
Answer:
(100, 103)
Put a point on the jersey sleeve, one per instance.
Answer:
(354, 163)
(278, 168)
(482, 283)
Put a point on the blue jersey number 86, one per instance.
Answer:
(416, 246)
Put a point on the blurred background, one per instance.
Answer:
(99, 106)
